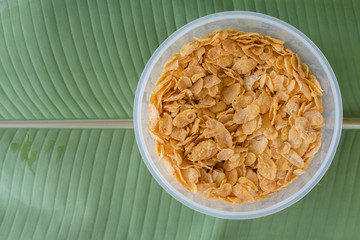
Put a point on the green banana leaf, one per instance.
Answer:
(63, 59)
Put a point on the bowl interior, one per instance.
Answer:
(309, 54)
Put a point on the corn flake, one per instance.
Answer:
(165, 124)
(244, 115)
(230, 92)
(236, 116)
(258, 146)
(211, 80)
(184, 118)
(244, 65)
(203, 151)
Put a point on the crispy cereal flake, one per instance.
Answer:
(236, 116)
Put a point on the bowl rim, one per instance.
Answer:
(207, 210)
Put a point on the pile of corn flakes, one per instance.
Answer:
(236, 116)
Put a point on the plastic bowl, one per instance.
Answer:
(308, 52)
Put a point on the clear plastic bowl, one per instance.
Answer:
(308, 52)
